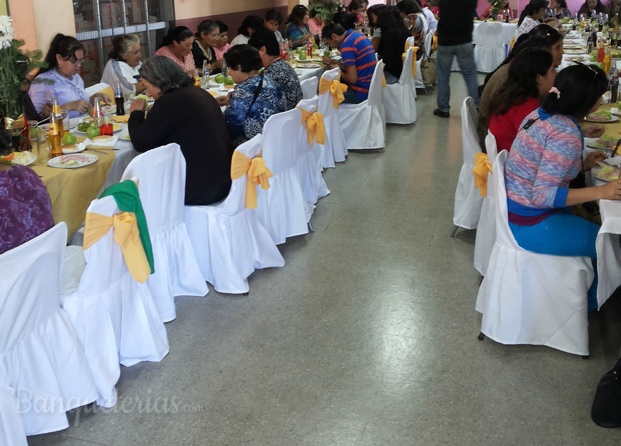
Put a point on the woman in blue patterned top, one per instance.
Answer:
(255, 97)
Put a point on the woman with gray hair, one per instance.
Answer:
(124, 64)
(190, 117)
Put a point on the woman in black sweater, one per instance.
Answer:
(391, 45)
(190, 117)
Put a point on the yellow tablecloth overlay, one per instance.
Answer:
(257, 174)
(315, 128)
(482, 168)
(336, 89)
(126, 235)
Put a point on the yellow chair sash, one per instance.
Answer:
(414, 51)
(384, 80)
(315, 128)
(482, 168)
(336, 90)
(257, 174)
(126, 235)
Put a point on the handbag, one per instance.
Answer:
(606, 409)
(428, 70)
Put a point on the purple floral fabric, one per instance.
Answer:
(25, 207)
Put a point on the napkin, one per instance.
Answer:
(121, 119)
(102, 144)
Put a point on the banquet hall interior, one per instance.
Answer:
(368, 335)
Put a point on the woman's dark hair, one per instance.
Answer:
(205, 27)
(345, 19)
(164, 74)
(374, 9)
(521, 82)
(297, 15)
(386, 20)
(355, 4)
(408, 7)
(562, 3)
(580, 87)
(275, 15)
(177, 34)
(251, 21)
(222, 26)
(265, 37)
(121, 44)
(243, 57)
(65, 47)
(533, 7)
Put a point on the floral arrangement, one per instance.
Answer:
(496, 6)
(15, 64)
(326, 9)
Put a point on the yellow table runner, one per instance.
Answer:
(72, 190)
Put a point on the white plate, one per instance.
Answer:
(308, 65)
(612, 175)
(612, 119)
(78, 148)
(115, 125)
(24, 158)
(73, 161)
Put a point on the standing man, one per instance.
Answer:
(358, 62)
(455, 39)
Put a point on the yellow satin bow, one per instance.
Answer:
(257, 174)
(126, 235)
(414, 51)
(336, 90)
(314, 126)
(482, 168)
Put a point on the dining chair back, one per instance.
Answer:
(364, 124)
(468, 200)
(400, 99)
(489, 50)
(231, 241)
(530, 298)
(42, 363)
(309, 87)
(335, 150)
(161, 184)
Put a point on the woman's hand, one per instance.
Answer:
(591, 160)
(593, 130)
(611, 191)
(102, 96)
(79, 106)
(222, 100)
(138, 104)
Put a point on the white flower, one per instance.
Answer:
(6, 31)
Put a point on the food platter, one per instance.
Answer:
(72, 161)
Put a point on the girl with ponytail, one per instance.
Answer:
(531, 16)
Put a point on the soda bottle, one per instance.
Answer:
(56, 129)
(119, 98)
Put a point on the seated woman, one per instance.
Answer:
(376, 33)
(177, 46)
(207, 34)
(391, 44)
(296, 29)
(246, 29)
(61, 79)
(531, 16)
(124, 64)
(315, 23)
(222, 44)
(545, 156)
(531, 75)
(590, 6)
(25, 206)
(273, 20)
(255, 97)
(190, 117)
(558, 10)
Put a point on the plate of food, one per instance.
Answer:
(574, 51)
(307, 65)
(601, 116)
(23, 158)
(83, 127)
(605, 142)
(607, 173)
(73, 148)
(73, 161)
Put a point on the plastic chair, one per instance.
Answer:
(468, 201)
(489, 50)
(283, 208)
(232, 241)
(43, 369)
(309, 87)
(530, 298)
(364, 124)
(486, 228)
(400, 99)
(335, 149)
(161, 182)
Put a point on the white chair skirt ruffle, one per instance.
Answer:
(468, 200)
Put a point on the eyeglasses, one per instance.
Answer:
(76, 62)
(589, 67)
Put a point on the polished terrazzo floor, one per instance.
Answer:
(368, 335)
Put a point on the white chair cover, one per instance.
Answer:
(233, 243)
(161, 183)
(400, 99)
(314, 185)
(427, 47)
(335, 149)
(529, 298)
(112, 312)
(43, 370)
(489, 50)
(283, 208)
(309, 87)
(364, 124)
(486, 228)
(97, 88)
(468, 200)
